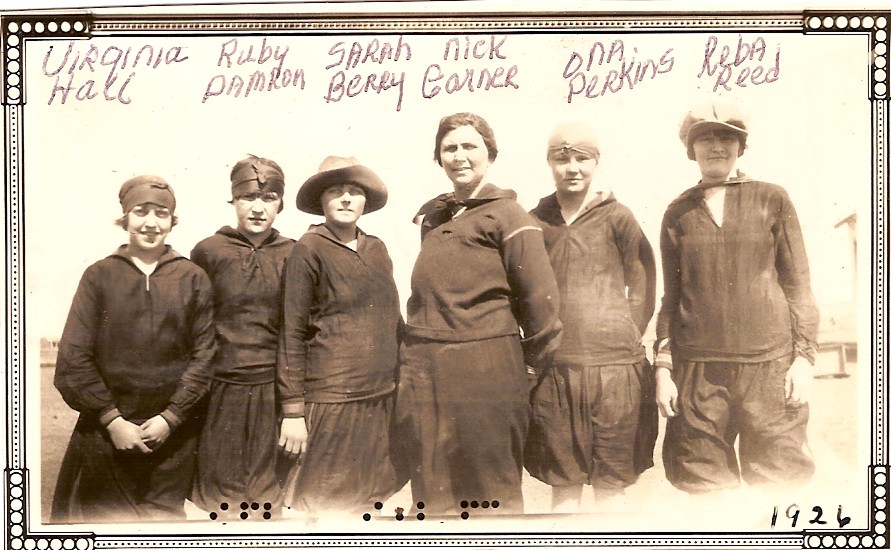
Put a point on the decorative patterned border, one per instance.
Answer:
(876, 24)
(17, 29)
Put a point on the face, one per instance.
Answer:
(465, 157)
(343, 204)
(716, 152)
(256, 211)
(572, 171)
(148, 225)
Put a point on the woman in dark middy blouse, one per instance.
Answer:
(481, 277)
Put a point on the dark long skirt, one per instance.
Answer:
(462, 413)
(718, 402)
(238, 450)
(98, 483)
(585, 422)
(347, 466)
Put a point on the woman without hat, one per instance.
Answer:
(238, 449)
(482, 275)
(597, 397)
(737, 331)
(337, 352)
(134, 360)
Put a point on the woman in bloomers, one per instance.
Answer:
(598, 395)
(239, 443)
(481, 276)
(134, 361)
(736, 334)
(338, 348)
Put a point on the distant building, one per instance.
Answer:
(838, 317)
(49, 350)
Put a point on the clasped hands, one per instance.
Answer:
(143, 438)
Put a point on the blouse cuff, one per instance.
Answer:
(173, 420)
(294, 408)
(662, 354)
(806, 351)
(107, 416)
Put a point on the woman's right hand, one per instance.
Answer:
(126, 436)
(666, 393)
(293, 436)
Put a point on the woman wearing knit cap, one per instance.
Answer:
(134, 359)
(586, 412)
(238, 449)
(481, 276)
(337, 351)
(738, 325)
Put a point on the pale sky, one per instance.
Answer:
(809, 133)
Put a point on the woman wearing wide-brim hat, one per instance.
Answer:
(338, 348)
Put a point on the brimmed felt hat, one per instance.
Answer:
(146, 188)
(710, 116)
(339, 171)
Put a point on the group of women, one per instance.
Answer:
(276, 373)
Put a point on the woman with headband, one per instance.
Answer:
(134, 360)
(238, 451)
(587, 410)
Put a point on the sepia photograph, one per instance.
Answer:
(452, 273)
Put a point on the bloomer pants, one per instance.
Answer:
(718, 402)
(462, 412)
(585, 424)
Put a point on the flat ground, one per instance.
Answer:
(652, 503)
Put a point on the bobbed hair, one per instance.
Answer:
(457, 120)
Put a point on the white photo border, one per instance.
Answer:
(18, 29)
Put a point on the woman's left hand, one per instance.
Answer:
(155, 431)
(799, 380)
